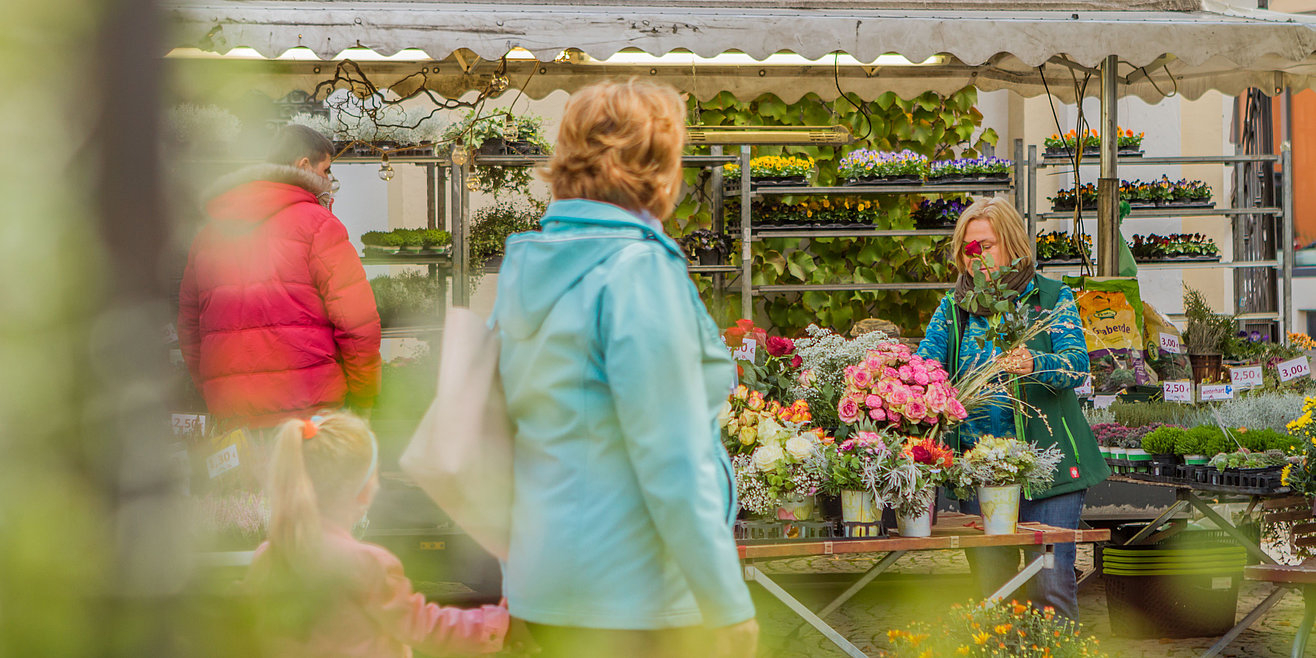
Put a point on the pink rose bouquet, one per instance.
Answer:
(892, 388)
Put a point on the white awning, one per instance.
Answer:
(1208, 46)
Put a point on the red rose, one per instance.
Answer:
(778, 346)
(796, 361)
(973, 248)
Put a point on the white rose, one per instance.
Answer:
(771, 432)
(768, 456)
(724, 414)
(799, 447)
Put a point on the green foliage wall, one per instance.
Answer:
(940, 127)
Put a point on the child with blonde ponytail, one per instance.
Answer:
(339, 596)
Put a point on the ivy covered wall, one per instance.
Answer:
(940, 127)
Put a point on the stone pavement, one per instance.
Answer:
(922, 585)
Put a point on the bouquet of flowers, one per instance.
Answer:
(771, 370)
(824, 356)
(907, 479)
(850, 462)
(899, 391)
(1001, 462)
(791, 461)
(749, 420)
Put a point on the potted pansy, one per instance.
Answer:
(768, 170)
(866, 167)
(939, 213)
(989, 169)
(707, 247)
(1129, 144)
(1059, 248)
(996, 470)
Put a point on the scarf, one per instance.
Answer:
(1017, 281)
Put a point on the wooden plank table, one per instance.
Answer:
(952, 531)
(1186, 495)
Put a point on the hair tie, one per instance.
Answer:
(309, 429)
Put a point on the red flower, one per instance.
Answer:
(735, 336)
(921, 455)
(796, 361)
(778, 346)
(740, 370)
(973, 248)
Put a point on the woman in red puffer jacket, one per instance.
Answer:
(276, 318)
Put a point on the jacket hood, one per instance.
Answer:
(539, 268)
(255, 193)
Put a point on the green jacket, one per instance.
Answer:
(1060, 363)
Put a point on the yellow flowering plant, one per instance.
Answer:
(994, 629)
(1298, 477)
(772, 166)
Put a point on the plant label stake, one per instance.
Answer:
(1294, 368)
(1213, 392)
(1243, 377)
(1084, 390)
(1170, 343)
(1178, 391)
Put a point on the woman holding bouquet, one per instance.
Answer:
(621, 541)
(991, 237)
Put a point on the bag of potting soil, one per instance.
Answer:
(1111, 311)
(1164, 346)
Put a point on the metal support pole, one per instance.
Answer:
(876, 570)
(753, 574)
(1108, 185)
(716, 180)
(1229, 529)
(1032, 193)
(1247, 622)
(1019, 179)
(746, 272)
(459, 241)
(1047, 560)
(1286, 236)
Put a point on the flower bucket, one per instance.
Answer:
(859, 507)
(1000, 509)
(915, 526)
(795, 508)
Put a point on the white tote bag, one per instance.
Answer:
(461, 454)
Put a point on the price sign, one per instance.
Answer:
(1170, 343)
(1180, 391)
(1294, 368)
(1245, 377)
(746, 351)
(1103, 401)
(1212, 392)
(189, 424)
(223, 461)
(1084, 390)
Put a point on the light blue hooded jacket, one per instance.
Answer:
(614, 375)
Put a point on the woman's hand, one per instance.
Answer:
(736, 641)
(1018, 361)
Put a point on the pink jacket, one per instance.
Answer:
(376, 614)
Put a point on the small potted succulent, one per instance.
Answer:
(866, 167)
(784, 170)
(707, 247)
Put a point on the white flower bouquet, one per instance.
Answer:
(789, 461)
(1002, 462)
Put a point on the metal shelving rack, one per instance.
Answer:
(749, 233)
(1282, 215)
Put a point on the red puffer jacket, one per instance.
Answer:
(276, 318)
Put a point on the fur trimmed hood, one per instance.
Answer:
(257, 192)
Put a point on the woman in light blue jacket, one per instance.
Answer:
(621, 541)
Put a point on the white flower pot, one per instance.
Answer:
(1000, 509)
(915, 526)
(795, 508)
(1116, 453)
(859, 507)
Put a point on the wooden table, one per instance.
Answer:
(1186, 495)
(951, 532)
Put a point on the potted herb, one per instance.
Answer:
(1190, 445)
(707, 247)
(499, 132)
(1204, 335)
(1138, 458)
(492, 225)
(864, 167)
(1160, 444)
(409, 299)
(434, 240)
(998, 468)
(410, 239)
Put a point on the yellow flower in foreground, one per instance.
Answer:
(981, 637)
(962, 651)
(1284, 475)
(1002, 629)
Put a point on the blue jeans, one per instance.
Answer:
(992, 567)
